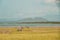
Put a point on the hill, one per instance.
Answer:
(36, 19)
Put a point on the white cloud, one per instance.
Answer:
(50, 1)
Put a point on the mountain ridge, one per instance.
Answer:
(36, 19)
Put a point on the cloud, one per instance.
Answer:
(50, 1)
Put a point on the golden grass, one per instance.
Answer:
(32, 33)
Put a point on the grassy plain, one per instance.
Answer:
(32, 33)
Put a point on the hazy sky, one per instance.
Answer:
(11, 9)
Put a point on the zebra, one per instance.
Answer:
(20, 28)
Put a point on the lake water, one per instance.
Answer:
(5, 24)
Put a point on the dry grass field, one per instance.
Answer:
(31, 33)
